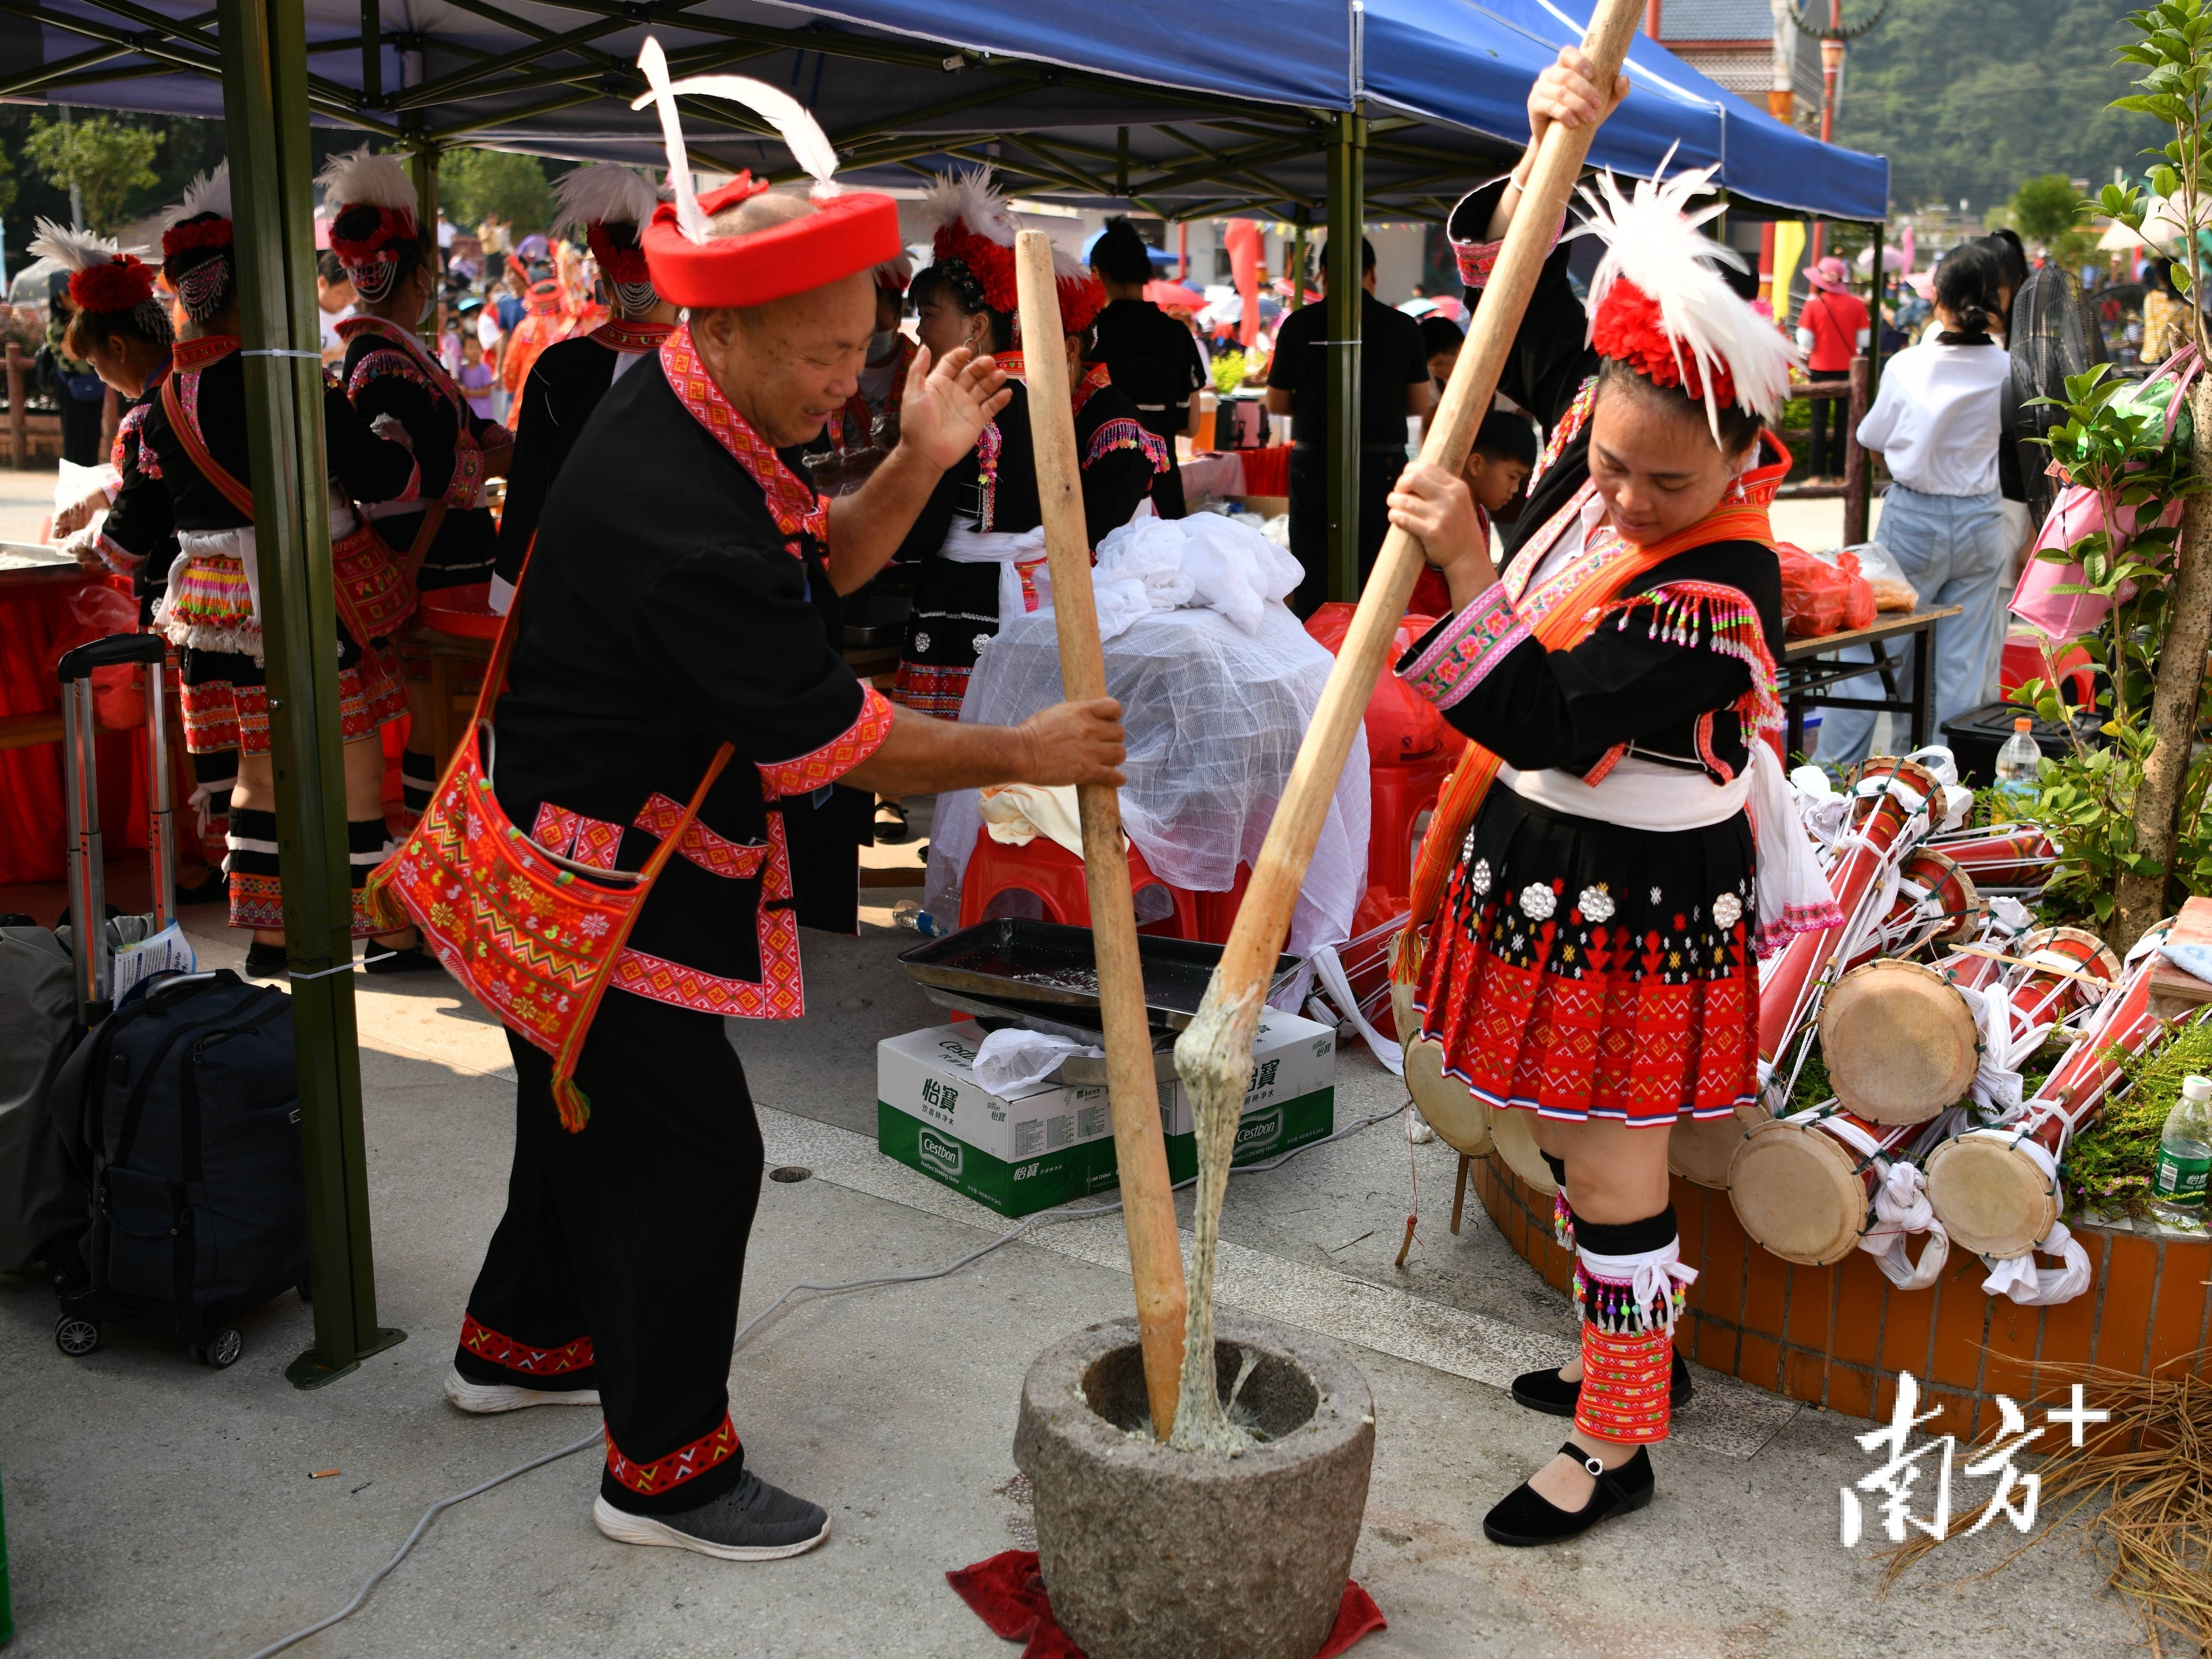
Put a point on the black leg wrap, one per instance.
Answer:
(1654, 1233)
(418, 779)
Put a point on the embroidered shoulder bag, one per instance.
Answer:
(534, 936)
(373, 590)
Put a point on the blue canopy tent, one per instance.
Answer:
(1300, 109)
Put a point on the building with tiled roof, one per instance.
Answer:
(1732, 42)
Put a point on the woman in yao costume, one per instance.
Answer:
(1592, 961)
(187, 481)
(436, 520)
(982, 530)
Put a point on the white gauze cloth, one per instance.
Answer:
(1214, 720)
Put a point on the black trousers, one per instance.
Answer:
(1378, 476)
(623, 1248)
(1830, 416)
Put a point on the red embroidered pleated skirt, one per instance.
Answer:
(1581, 970)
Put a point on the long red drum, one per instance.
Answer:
(2014, 858)
(2047, 997)
(1935, 905)
(1803, 1187)
(1996, 1190)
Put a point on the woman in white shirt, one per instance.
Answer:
(1935, 424)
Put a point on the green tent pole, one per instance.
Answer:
(7, 1596)
(265, 112)
(422, 169)
(1298, 257)
(1346, 159)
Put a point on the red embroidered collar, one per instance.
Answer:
(621, 334)
(1095, 380)
(188, 357)
(798, 511)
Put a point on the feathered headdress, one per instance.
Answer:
(102, 276)
(202, 220)
(590, 199)
(373, 218)
(1659, 304)
(971, 223)
(848, 232)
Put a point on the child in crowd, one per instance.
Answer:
(1503, 455)
(477, 376)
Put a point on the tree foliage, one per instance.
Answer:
(104, 159)
(1968, 97)
(2045, 207)
(473, 184)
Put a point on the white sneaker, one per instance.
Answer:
(485, 1398)
(752, 1521)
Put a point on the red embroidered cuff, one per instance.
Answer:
(115, 555)
(1478, 260)
(804, 774)
(468, 476)
(688, 1463)
(494, 1347)
(1467, 647)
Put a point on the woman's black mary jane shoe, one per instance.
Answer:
(1522, 1519)
(1548, 1392)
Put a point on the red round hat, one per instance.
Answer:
(851, 231)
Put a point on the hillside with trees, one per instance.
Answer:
(1967, 98)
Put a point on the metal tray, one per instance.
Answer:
(1022, 965)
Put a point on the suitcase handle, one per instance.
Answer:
(115, 649)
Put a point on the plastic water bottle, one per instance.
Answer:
(2018, 761)
(2184, 1153)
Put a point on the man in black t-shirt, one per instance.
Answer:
(1149, 356)
(1394, 383)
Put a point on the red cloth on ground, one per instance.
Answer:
(1006, 1593)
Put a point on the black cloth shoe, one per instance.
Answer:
(403, 959)
(1553, 1396)
(1523, 1519)
(752, 1521)
(265, 961)
(891, 826)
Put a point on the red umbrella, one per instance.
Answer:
(1174, 296)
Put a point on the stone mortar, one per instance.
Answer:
(1150, 1554)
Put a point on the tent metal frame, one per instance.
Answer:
(258, 51)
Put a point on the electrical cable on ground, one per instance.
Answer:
(1042, 1219)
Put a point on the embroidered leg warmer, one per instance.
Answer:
(1630, 1281)
(257, 890)
(418, 781)
(368, 844)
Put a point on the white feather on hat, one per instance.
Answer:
(78, 250)
(208, 193)
(1652, 241)
(602, 193)
(801, 133)
(361, 178)
(971, 197)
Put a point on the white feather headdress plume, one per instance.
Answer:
(361, 178)
(970, 198)
(602, 194)
(801, 133)
(208, 193)
(1653, 244)
(77, 250)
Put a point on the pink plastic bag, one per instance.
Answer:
(2077, 513)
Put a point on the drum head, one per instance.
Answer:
(2086, 951)
(1952, 890)
(1989, 1195)
(1797, 1193)
(1698, 1149)
(1900, 1042)
(1459, 1118)
(1513, 1138)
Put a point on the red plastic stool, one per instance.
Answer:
(1401, 795)
(1217, 912)
(1055, 876)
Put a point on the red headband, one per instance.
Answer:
(1081, 300)
(392, 225)
(847, 233)
(122, 283)
(195, 233)
(1628, 327)
(619, 262)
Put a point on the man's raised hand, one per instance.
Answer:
(947, 404)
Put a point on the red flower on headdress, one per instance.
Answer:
(618, 262)
(1628, 327)
(196, 234)
(122, 283)
(992, 262)
(392, 225)
(1081, 300)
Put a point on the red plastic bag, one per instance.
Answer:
(1819, 598)
(118, 694)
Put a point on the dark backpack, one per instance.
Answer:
(182, 1110)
